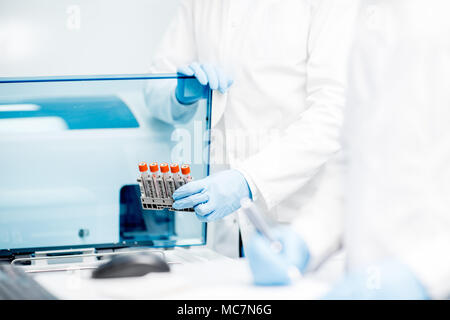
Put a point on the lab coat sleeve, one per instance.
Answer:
(176, 49)
(290, 162)
(287, 164)
(321, 227)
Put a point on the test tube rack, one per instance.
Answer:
(157, 185)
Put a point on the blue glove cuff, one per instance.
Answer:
(245, 191)
(189, 91)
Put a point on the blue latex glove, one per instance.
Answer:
(385, 281)
(272, 268)
(189, 91)
(213, 197)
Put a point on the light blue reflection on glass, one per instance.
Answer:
(100, 112)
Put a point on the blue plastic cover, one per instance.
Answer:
(70, 147)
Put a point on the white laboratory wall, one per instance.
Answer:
(76, 37)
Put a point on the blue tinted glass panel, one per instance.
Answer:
(69, 150)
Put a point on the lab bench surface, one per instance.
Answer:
(203, 275)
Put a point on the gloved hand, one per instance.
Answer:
(387, 280)
(270, 267)
(213, 197)
(189, 91)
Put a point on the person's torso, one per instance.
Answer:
(397, 133)
(263, 45)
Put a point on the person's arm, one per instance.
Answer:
(322, 227)
(313, 139)
(313, 237)
(177, 49)
(312, 143)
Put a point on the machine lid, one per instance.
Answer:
(70, 153)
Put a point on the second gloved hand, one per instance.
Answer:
(383, 281)
(270, 267)
(215, 196)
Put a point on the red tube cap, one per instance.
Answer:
(143, 167)
(185, 169)
(154, 167)
(164, 167)
(174, 168)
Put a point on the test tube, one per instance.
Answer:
(159, 183)
(169, 183)
(143, 169)
(154, 170)
(175, 169)
(186, 171)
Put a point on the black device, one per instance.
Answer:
(16, 284)
(131, 265)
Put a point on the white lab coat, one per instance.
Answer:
(282, 116)
(397, 138)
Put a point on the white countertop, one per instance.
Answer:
(206, 275)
